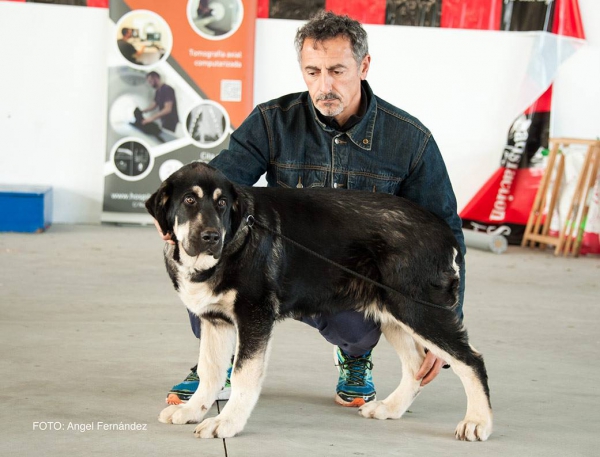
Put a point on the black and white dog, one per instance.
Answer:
(234, 265)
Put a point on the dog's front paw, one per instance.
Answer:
(179, 414)
(215, 427)
(377, 410)
(470, 430)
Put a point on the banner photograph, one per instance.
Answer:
(180, 81)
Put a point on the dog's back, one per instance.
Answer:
(385, 238)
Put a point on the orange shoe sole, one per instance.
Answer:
(173, 399)
(356, 403)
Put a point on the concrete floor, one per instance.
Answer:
(91, 332)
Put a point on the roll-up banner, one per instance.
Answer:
(180, 81)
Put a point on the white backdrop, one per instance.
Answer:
(53, 93)
(53, 103)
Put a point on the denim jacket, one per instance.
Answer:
(387, 151)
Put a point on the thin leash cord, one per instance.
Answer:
(251, 221)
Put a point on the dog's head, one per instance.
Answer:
(199, 207)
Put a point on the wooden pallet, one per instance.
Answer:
(568, 241)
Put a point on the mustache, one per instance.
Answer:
(329, 96)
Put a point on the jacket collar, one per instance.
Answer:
(362, 133)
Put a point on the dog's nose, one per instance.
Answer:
(210, 236)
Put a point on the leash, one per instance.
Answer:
(251, 222)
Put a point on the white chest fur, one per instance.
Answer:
(199, 297)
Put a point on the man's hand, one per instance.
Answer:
(429, 369)
(166, 237)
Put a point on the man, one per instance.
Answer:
(203, 10)
(164, 101)
(340, 135)
(127, 49)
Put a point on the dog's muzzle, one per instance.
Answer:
(209, 242)
(212, 239)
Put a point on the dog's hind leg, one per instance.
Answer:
(477, 424)
(216, 347)
(411, 356)
(469, 367)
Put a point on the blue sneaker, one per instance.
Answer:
(183, 391)
(355, 385)
(225, 392)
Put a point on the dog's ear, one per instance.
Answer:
(158, 206)
(237, 212)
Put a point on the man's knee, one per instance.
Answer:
(349, 330)
(195, 323)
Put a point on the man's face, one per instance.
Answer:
(153, 81)
(333, 77)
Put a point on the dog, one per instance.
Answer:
(247, 257)
(150, 129)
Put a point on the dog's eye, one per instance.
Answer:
(189, 200)
(222, 203)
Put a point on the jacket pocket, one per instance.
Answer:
(299, 177)
(373, 183)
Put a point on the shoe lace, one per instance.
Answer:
(355, 369)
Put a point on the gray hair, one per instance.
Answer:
(326, 25)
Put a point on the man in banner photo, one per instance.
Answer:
(189, 88)
(164, 101)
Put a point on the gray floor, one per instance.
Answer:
(91, 332)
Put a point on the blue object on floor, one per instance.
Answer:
(25, 208)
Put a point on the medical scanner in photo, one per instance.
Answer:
(132, 158)
(221, 17)
(129, 90)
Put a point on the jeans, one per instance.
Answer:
(349, 330)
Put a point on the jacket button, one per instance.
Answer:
(336, 141)
(365, 141)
